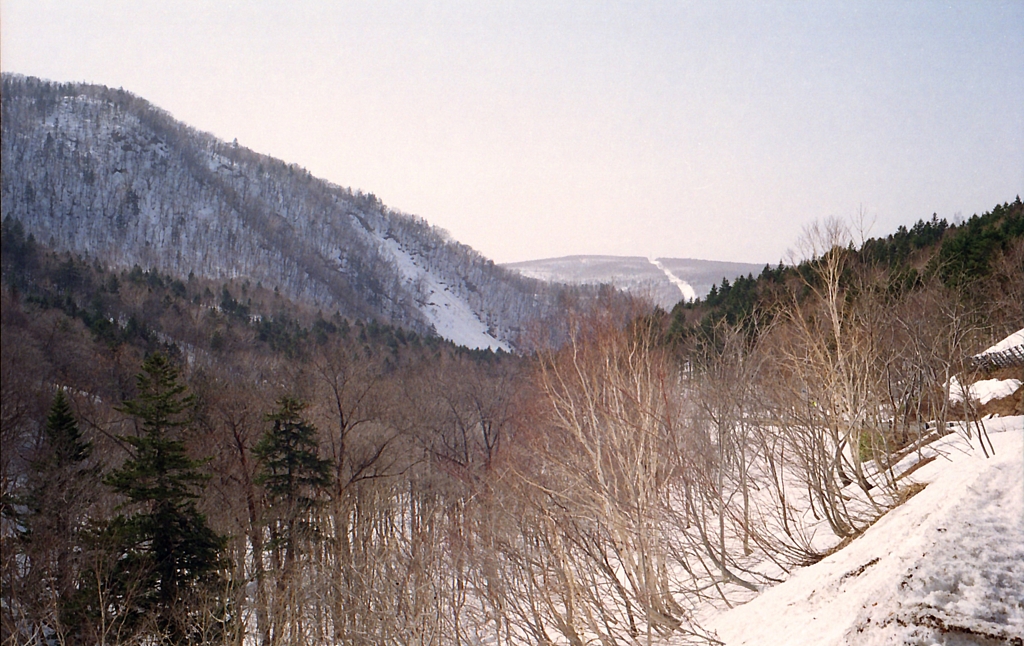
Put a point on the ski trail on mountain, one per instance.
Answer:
(684, 287)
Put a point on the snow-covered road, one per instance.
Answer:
(947, 567)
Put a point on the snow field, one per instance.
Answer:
(946, 567)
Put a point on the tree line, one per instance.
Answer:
(958, 254)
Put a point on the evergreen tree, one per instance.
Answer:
(293, 475)
(59, 490)
(294, 478)
(167, 537)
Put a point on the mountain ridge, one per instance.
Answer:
(657, 279)
(102, 172)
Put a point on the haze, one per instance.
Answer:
(542, 129)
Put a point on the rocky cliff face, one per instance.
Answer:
(101, 172)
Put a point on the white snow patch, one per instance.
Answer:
(946, 567)
(685, 289)
(983, 391)
(1015, 339)
(451, 316)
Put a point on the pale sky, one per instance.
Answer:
(540, 129)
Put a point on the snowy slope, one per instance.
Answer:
(451, 316)
(946, 567)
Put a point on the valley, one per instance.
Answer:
(243, 405)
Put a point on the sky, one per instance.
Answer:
(528, 130)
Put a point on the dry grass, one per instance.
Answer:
(908, 492)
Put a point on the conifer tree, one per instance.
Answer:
(294, 478)
(166, 534)
(293, 474)
(59, 491)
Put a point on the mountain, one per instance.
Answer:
(103, 173)
(665, 281)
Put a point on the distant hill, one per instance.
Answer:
(979, 259)
(101, 172)
(666, 281)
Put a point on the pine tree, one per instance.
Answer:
(59, 490)
(166, 535)
(294, 478)
(293, 475)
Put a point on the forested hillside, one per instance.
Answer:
(196, 460)
(101, 172)
(226, 417)
(978, 258)
(176, 403)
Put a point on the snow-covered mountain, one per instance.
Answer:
(665, 281)
(101, 172)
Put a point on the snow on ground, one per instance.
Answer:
(946, 567)
(452, 317)
(983, 391)
(1015, 339)
(684, 287)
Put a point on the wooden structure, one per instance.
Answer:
(1012, 357)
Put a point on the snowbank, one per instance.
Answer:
(1015, 339)
(947, 567)
(983, 391)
